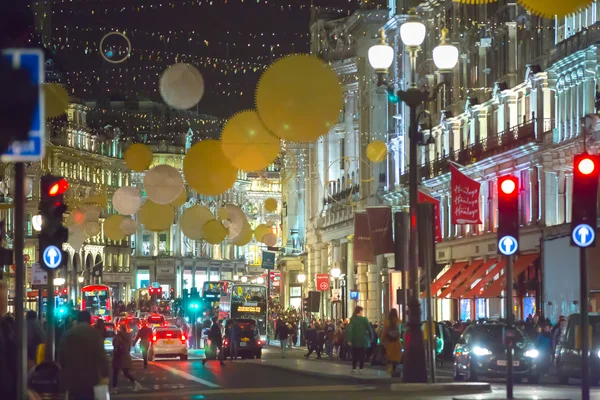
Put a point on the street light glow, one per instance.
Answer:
(381, 57)
(80, 279)
(244, 279)
(301, 277)
(412, 32)
(260, 280)
(445, 56)
(335, 272)
(59, 281)
(36, 221)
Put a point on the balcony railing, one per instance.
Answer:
(490, 146)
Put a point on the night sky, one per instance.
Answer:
(230, 41)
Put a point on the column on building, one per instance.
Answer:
(323, 268)
(551, 197)
(512, 119)
(568, 195)
(350, 277)
(561, 198)
(541, 177)
(362, 284)
(374, 290)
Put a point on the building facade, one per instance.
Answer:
(516, 104)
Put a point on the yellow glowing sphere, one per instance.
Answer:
(156, 217)
(207, 170)
(377, 151)
(138, 157)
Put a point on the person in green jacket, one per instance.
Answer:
(359, 337)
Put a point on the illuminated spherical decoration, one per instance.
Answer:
(271, 204)
(163, 184)
(181, 86)
(181, 200)
(214, 232)
(138, 157)
(260, 231)
(377, 151)
(207, 170)
(128, 226)
(299, 98)
(127, 200)
(112, 227)
(192, 221)
(56, 100)
(247, 144)
(550, 9)
(156, 217)
(269, 239)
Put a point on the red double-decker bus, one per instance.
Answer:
(97, 299)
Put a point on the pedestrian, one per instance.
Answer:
(312, 341)
(359, 338)
(235, 334)
(101, 327)
(543, 344)
(329, 339)
(82, 359)
(216, 341)
(8, 360)
(144, 334)
(122, 358)
(557, 332)
(282, 333)
(35, 337)
(390, 338)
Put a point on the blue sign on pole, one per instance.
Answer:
(32, 149)
(268, 260)
(508, 245)
(52, 257)
(583, 235)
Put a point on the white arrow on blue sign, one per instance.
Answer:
(32, 149)
(508, 245)
(583, 235)
(52, 257)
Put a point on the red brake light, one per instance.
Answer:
(169, 334)
(183, 338)
(226, 343)
(258, 342)
(154, 338)
(58, 188)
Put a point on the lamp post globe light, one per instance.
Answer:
(412, 33)
(80, 279)
(381, 57)
(301, 277)
(244, 279)
(335, 272)
(445, 56)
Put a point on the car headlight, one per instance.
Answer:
(533, 353)
(598, 353)
(481, 351)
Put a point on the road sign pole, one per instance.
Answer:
(18, 245)
(509, 325)
(583, 293)
(51, 331)
(268, 299)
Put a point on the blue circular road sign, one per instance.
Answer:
(52, 257)
(583, 235)
(508, 245)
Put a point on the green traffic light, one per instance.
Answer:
(393, 98)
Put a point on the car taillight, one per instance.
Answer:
(226, 343)
(165, 324)
(258, 342)
(154, 338)
(169, 334)
(183, 338)
(139, 326)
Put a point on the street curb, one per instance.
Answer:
(449, 389)
(356, 379)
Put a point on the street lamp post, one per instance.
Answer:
(301, 279)
(412, 33)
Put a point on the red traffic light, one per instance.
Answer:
(508, 184)
(58, 188)
(586, 166)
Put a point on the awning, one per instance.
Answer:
(464, 275)
(435, 271)
(478, 274)
(520, 265)
(439, 283)
(477, 289)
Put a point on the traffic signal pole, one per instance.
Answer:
(585, 357)
(18, 247)
(50, 329)
(509, 325)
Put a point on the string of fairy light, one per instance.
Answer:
(98, 8)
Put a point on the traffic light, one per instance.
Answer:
(508, 215)
(586, 171)
(53, 233)
(305, 304)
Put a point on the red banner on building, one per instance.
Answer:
(323, 282)
(465, 198)
(380, 229)
(425, 198)
(363, 250)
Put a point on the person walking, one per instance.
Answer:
(359, 338)
(35, 337)
(122, 358)
(543, 344)
(329, 339)
(82, 359)
(144, 335)
(235, 334)
(216, 341)
(282, 332)
(390, 338)
(312, 341)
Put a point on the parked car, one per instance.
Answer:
(481, 353)
(568, 350)
(108, 340)
(156, 320)
(250, 344)
(168, 342)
